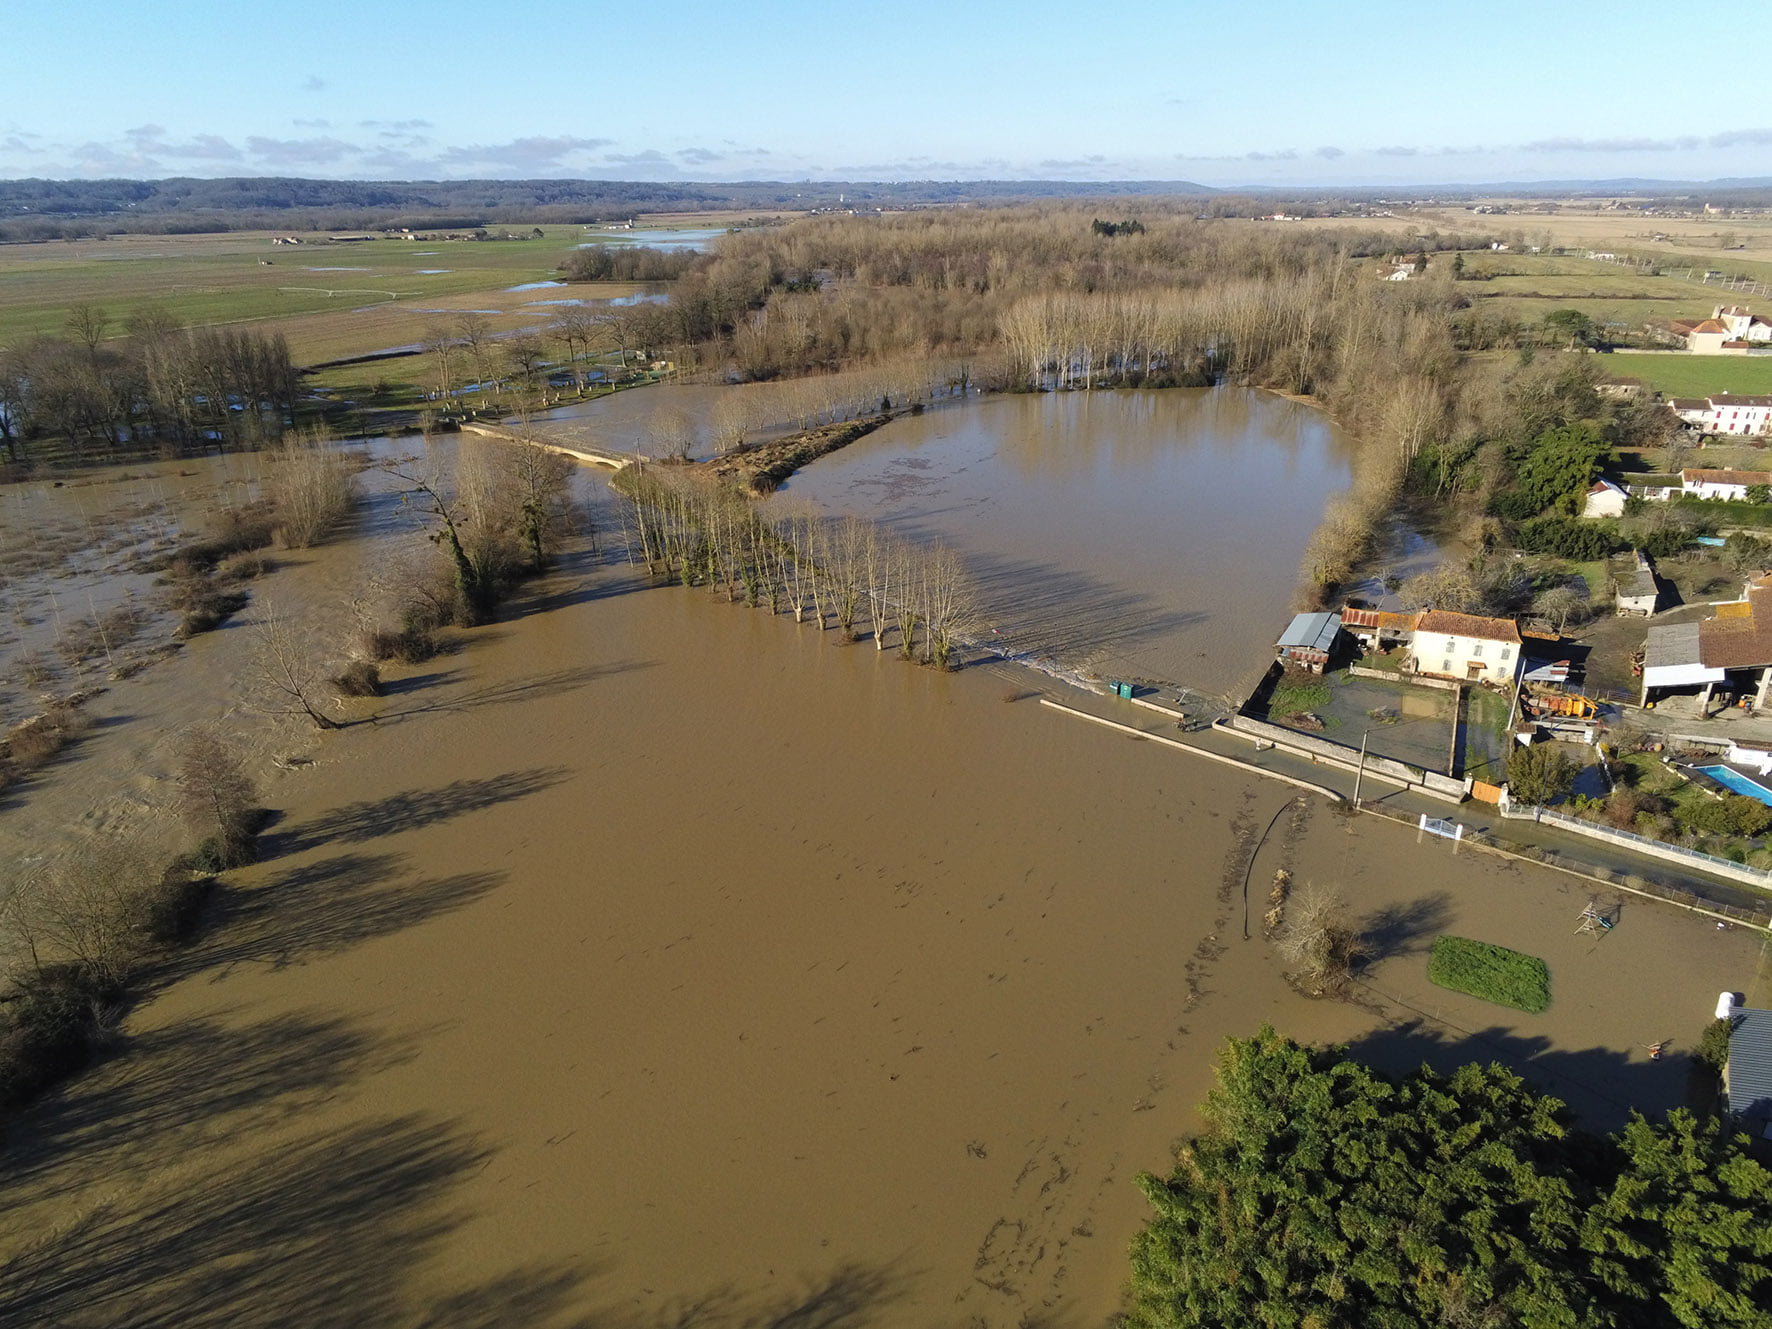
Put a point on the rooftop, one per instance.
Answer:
(1468, 625)
(1697, 476)
(1750, 1063)
(1310, 632)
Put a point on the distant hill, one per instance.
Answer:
(56, 209)
(273, 201)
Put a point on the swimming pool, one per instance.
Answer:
(1735, 780)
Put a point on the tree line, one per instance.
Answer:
(160, 383)
(844, 572)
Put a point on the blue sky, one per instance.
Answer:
(1305, 92)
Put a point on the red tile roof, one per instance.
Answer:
(1467, 625)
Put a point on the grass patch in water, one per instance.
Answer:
(1494, 973)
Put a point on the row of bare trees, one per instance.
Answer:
(158, 382)
(844, 572)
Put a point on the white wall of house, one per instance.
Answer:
(1469, 658)
(1713, 489)
(1604, 501)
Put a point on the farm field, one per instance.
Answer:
(385, 290)
(1694, 375)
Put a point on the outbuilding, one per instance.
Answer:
(1309, 640)
(1604, 499)
(1747, 1075)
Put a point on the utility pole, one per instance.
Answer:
(1361, 772)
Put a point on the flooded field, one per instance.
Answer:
(1151, 535)
(655, 961)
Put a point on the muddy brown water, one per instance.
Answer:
(1149, 535)
(657, 961)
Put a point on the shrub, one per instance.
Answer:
(1539, 774)
(1735, 814)
(361, 678)
(1566, 537)
(47, 1031)
(1494, 973)
(1713, 1045)
(411, 644)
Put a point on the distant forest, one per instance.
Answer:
(72, 209)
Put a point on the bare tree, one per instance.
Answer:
(441, 345)
(88, 911)
(216, 795)
(1319, 941)
(313, 484)
(286, 672)
(948, 603)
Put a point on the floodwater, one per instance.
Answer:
(1147, 535)
(690, 238)
(653, 960)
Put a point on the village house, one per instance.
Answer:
(1699, 483)
(1466, 647)
(1309, 641)
(1731, 329)
(1604, 499)
(1728, 413)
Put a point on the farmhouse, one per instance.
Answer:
(1699, 483)
(1604, 499)
(1466, 647)
(1309, 640)
(1731, 329)
(1707, 337)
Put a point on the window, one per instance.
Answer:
(1445, 666)
(1504, 651)
(1477, 651)
(1451, 645)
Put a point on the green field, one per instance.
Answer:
(245, 278)
(1494, 973)
(1680, 375)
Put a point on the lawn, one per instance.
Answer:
(1494, 973)
(1295, 698)
(1486, 745)
(1694, 375)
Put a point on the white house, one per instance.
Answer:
(1604, 499)
(1707, 338)
(1695, 483)
(1743, 323)
(1466, 647)
(1725, 413)
(1733, 413)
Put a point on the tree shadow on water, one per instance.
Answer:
(1600, 1085)
(853, 1295)
(410, 810)
(189, 1081)
(324, 907)
(537, 687)
(1405, 929)
(325, 1231)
